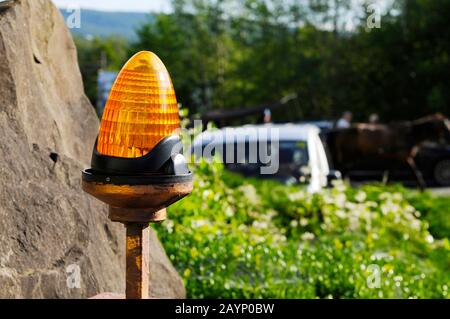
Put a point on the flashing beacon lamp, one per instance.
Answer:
(137, 165)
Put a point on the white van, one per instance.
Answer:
(291, 153)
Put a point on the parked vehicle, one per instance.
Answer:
(296, 152)
(393, 149)
(432, 160)
(323, 125)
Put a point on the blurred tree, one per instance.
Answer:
(194, 44)
(402, 69)
(230, 53)
(99, 53)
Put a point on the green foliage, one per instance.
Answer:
(234, 54)
(94, 54)
(435, 210)
(228, 54)
(240, 238)
(194, 47)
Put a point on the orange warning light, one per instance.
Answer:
(141, 109)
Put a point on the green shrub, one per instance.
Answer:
(247, 238)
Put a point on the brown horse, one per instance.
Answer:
(393, 142)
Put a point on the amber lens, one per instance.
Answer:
(141, 109)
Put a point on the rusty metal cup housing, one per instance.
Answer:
(137, 191)
(139, 197)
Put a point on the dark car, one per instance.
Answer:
(432, 159)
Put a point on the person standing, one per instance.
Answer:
(345, 120)
(267, 116)
(374, 118)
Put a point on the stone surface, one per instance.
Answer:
(47, 128)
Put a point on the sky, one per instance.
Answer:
(153, 5)
(118, 5)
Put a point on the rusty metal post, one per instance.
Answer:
(137, 260)
(136, 206)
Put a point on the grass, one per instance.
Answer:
(247, 238)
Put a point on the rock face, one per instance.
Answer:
(49, 229)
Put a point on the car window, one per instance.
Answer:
(293, 152)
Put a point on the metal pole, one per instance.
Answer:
(137, 260)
